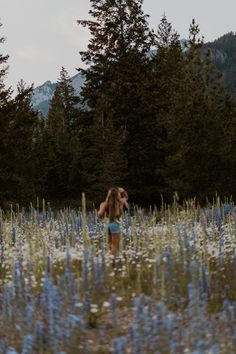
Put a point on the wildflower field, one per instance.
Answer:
(172, 289)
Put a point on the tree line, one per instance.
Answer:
(152, 116)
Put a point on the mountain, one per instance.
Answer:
(42, 94)
(223, 55)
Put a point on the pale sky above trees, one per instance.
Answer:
(43, 35)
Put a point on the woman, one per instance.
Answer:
(113, 206)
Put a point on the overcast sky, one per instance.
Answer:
(43, 35)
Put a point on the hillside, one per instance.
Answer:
(223, 52)
(43, 94)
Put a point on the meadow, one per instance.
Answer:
(171, 289)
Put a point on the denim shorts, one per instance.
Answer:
(114, 227)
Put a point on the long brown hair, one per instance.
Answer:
(114, 204)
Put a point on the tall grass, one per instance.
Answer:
(172, 289)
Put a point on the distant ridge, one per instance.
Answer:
(42, 94)
(223, 54)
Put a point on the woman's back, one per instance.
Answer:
(114, 205)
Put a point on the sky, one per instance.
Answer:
(43, 35)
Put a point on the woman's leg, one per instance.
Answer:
(114, 231)
(114, 244)
(109, 240)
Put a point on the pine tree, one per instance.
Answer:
(118, 56)
(5, 107)
(40, 153)
(165, 84)
(4, 93)
(61, 139)
(17, 158)
(228, 171)
(23, 130)
(194, 163)
(103, 162)
(120, 37)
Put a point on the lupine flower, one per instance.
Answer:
(180, 274)
(28, 344)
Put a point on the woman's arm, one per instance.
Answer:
(102, 209)
(124, 197)
(103, 206)
(124, 202)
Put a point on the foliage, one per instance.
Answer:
(171, 288)
(114, 87)
(60, 136)
(4, 92)
(153, 117)
(18, 139)
(192, 111)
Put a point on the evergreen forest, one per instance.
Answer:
(152, 117)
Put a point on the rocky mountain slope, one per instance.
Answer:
(223, 52)
(43, 94)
